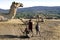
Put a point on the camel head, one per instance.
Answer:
(13, 8)
(17, 4)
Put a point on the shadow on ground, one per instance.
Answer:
(13, 36)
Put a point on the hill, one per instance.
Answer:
(37, 10)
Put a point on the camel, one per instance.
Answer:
(12, 11)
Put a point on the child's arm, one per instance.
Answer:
(23, 21)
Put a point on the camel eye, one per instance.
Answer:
(16, 3)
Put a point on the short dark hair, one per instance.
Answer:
(30, 20)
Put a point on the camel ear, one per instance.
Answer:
(13, 2)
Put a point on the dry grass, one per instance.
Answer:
(50, 30)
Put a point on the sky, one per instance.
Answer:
(5, 4)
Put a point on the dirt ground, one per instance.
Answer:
(12, 30)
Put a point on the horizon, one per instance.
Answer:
(33, 6)
(30, 3)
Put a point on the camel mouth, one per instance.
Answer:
(21, 6)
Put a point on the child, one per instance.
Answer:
(37, 29)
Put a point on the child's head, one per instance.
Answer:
(30, 20)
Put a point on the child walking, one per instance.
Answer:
(37, 29)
